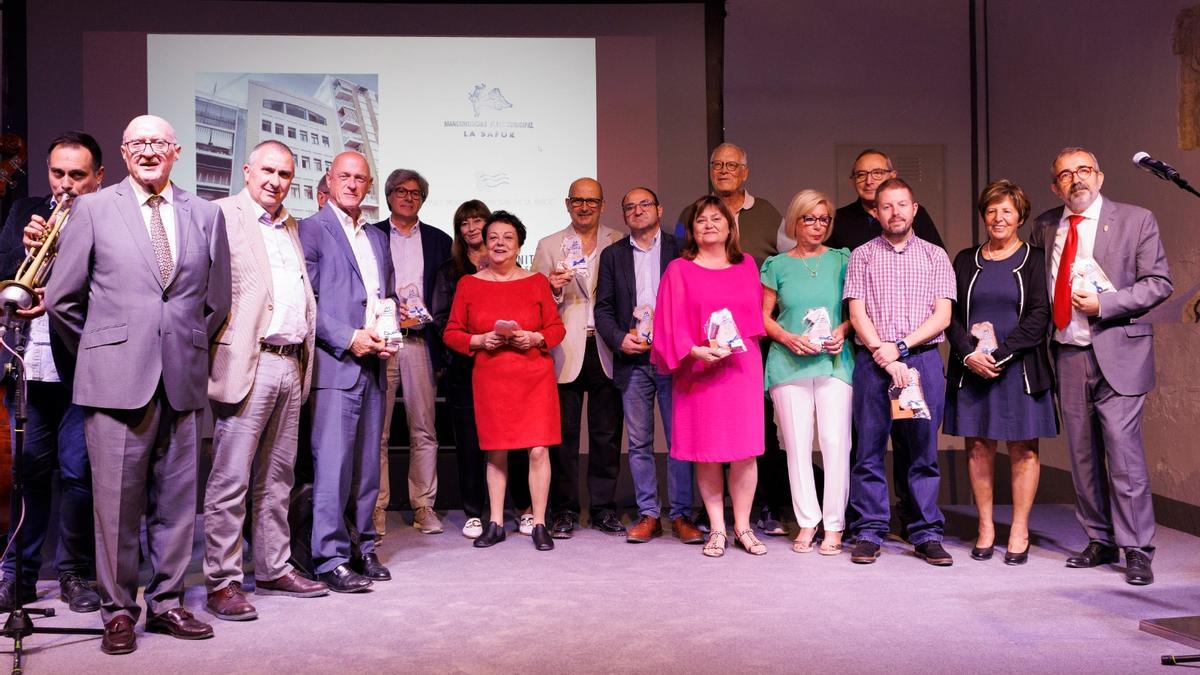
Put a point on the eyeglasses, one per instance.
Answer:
(725, 166)
(825, 221)
(577, 202)
(645, 205)
(1068, 176)
(874, 174)
(157, 145)
(414, 194)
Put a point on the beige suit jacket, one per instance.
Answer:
(233, 358)
(574, 302)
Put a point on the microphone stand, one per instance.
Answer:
(19, 624)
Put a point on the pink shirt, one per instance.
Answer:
(899, 287)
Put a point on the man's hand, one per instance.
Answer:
(709, 354)
(887, 353)
(38, 309)
(982, 365)
(899, 373)
(367, 341)
(632, 344)
(34, 231)
(525, 339)
(560, 277)
(1086, 302)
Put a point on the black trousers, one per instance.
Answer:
(773, 489)
(605, 422)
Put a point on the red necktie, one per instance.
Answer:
(1062, 282)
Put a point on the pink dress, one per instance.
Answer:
(717, 409)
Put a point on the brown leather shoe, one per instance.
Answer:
(180, 623)
(119, 637)
(291, 584)
(646, 528)
(230, 604)
(686, 530)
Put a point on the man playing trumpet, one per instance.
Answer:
(54, 429)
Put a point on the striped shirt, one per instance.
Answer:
(899, 287)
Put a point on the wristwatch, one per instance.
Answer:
(900, 345)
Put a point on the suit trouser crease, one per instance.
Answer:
(254, 444)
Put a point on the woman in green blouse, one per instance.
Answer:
(809, 366)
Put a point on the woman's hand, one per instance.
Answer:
(709, 354)
(525, 339)
(982, 365)
(834, 346)
(799, 345)
(488, 341)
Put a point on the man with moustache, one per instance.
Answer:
(417, 249)
(629, 274)
(584, 367)
(900, 289)
(1104, 358)
(54, 426)
(260, 374)
(349, 267)
(139, 290)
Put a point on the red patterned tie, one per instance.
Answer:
(1062, 282)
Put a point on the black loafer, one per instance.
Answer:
(564, 525)
(78, 594)
(608, 523)
(342, 579)
(1021, 558)
(1137, 568)
(370, 567)
(542, 540)
(493, 533)
(1094, 555)
(984, 553)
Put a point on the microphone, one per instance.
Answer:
(1159, 168)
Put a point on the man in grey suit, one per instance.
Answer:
(1104, 357)
(140, 287)
(260, 373)
(348, 265)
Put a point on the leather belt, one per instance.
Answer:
(282, 350)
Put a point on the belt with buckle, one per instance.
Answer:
(282, 350)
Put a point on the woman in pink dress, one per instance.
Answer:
(717, 393)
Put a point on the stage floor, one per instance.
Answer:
(599, 604)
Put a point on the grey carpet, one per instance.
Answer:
(597, 604)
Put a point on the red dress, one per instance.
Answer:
(516, 392)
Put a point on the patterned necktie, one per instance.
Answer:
(158, 239)
(1062, 282)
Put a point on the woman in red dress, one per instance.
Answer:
(516, 391)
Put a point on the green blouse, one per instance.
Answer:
(801, 284)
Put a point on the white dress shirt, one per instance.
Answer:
(288, 325)
(364, 255)
(166, 210)
(1078, 332)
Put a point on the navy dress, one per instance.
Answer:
(999, 408)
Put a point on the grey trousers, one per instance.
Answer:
(143, 463)
(254, 443)
(410, 371)
(1108, 461)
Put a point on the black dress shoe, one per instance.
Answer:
(493, 533)
(1021, 558)
(342, 579)
(984, 553)
(9, 599)
(564, 525)
(542, 540)
(370, 567)
(1137, 568)
(1095, 554)
(78, 593)
(608, 523)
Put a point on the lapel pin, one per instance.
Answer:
(1106, 228)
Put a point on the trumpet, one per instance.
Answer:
(20, 292)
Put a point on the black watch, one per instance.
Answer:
(903, 347)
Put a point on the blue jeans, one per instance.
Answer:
(873, 423)
(54, 439)
(638, 398)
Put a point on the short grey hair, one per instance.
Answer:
(1071, 151)
(399, 176)
(254, 152)
(731, 146)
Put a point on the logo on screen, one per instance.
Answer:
(483, 98)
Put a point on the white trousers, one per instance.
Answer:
(826, 401)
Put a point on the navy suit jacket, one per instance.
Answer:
(616, 297)
(341, 298)
(435, 249)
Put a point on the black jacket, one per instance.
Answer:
(1026, 342)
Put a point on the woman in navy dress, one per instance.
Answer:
(999, 382)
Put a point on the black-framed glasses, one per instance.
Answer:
(811, 220)
(725, 166)
(1069, 175)
(414, 194)
(645, 205)
(874, 174)
(157, 145)
(577, 202)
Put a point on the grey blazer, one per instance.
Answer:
(1131, 254)
(341, 297)
(128, 329)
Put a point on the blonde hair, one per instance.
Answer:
(804, 203)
